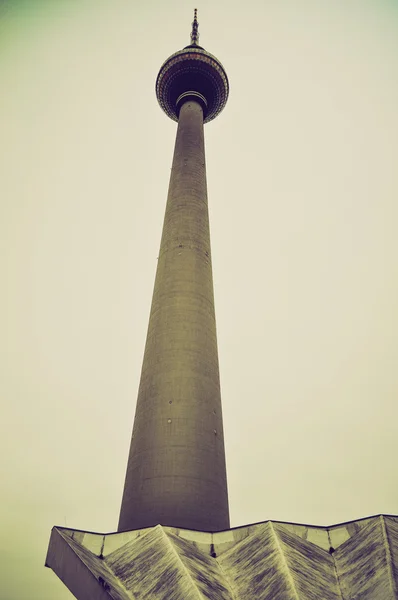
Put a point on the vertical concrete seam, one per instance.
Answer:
(102, 547)
(339, 588)
(386, 541)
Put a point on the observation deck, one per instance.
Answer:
(192, 73)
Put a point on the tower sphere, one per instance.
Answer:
(192, 73)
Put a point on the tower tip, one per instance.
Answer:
(195, 25)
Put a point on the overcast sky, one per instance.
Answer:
(303, 194)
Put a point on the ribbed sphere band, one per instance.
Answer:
(176, 473)
(192, 68)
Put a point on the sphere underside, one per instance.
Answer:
(192, 70)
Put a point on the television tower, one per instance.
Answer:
(173, 539)
(176, 469)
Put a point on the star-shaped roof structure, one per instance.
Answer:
(272, 560)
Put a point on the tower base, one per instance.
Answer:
(264, 561)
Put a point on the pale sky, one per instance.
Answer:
(303, 189)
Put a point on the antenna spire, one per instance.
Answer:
(194, 32)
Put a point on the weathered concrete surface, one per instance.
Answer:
(265, 561)
(367, 563)
(82, 571)
(176, 471)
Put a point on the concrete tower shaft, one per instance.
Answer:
(176, 471)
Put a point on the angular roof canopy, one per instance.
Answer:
(265, 561)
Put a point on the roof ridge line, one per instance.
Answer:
(386, 540)
(226, 580)
(284, 561)
(170, 543)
